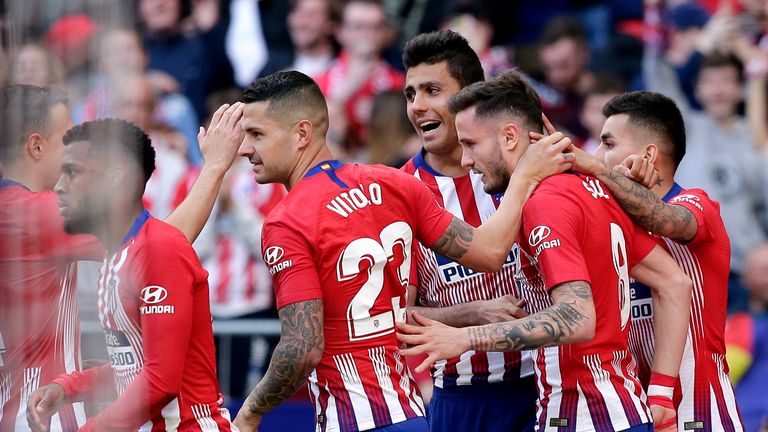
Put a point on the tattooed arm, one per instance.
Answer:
(296, 355)
(571, 319)
(645, 208)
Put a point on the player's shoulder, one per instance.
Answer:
(565, 184)
(158, 235)
(695, 197)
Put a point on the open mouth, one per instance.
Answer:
(429, 127)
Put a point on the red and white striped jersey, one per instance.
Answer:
(705, 398)
(230, 246)
(169, 182)
(443, 282)
(573, 230)
(344, 234)
(153, 306)
(39, 325)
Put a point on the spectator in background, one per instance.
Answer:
(69, 40)
(34, 65)
(357, 75)
(722, 160)
(746, 339)
(392, 138)
(564, 55)
(471, 21)
(597, 95)
(312, 24)
(121, 53)
(195, 59)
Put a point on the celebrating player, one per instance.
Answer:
(576, 253)
(153, 292)
(478, 390)
(644, 130)
(39, 329)
(339, 247)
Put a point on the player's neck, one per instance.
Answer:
(311, 157)
(448, 163)
(25, 176)
(667, 180)
(116, 226)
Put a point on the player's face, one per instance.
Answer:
(617, 140)
(59, 123)
(81, 189)
(427, 90)
(481, 142)
(267, 144)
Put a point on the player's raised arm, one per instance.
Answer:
(645, 208)
(219, 146)
(486, 247)
(671, 290)
(296, 355)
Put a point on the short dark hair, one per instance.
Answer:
(116, 134)
(286, 91)
(24, 110)
(508, 94)
(717, 60)
(562, 27)
(448, 46)
(653, 112)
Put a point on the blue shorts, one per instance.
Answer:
(645, 427)
(493, 407)
(418, 424)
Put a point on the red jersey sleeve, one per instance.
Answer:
(78, 385)
(553, 229)
(430, 217)
(642, 243)
(702, 208)
(165, 338)
(289, 258)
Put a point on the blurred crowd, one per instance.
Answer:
(163, 64)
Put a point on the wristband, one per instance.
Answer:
(661, 389)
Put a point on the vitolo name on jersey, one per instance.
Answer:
(451, 271)
(349, 201)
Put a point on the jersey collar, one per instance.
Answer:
(676, 189)
(328, 167)
(419, 162)
(5, 183)
(136, 226)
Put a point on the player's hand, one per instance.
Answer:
(546, 157)
(664, 419)
(433, 338)
(582, 161)
(501, 309)
(639, 169)
(42, 404)
(220, 142)
(247, 421)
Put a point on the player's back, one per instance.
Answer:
(39, 326)
(575, 231)
(356, 224)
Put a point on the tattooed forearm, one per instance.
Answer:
(300, 348)
(648, 210)
(454, 243)
(561, 323)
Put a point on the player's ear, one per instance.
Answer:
(34, 146)
(651, 152)
(303, 130)
(511, 136)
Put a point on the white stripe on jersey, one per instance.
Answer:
(414, 397)
(464, 368)
(314, 394)
(5, 391)
(629, 384)
(202, 413)
(30, 384)
(583, 417)
(331, 414)
(496, 367)
(382, 370)
(345, 364)
(602, 380)
(728, 394)
(686, 376)
(146, 427)
(554, 382)
(172, 415)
